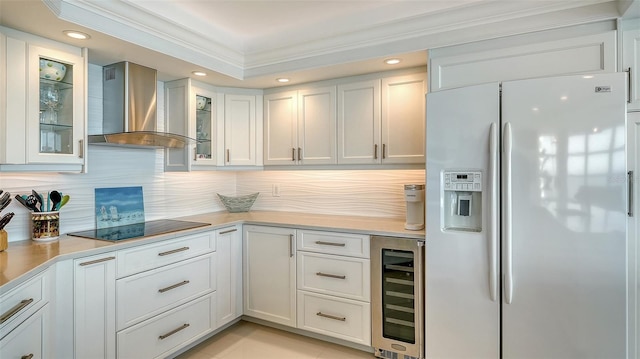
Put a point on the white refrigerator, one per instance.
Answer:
(526, 212)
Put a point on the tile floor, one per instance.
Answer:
(246, 340)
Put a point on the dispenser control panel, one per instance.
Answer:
(463, 181)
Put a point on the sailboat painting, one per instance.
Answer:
(119, 206)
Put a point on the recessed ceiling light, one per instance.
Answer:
(76, 34)
(199, 73)
(392, 61)
(282, 80)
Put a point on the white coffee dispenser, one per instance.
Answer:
(414, 195)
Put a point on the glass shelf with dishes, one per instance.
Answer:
(56, 107)
(203, 127)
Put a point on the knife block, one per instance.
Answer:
(3, 240)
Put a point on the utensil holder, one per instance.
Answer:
(45, 226)
(4, 240)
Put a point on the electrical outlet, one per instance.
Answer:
(275, 190)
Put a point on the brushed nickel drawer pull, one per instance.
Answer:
(13, 311)
(293, 154)
(320, 314)
(97, 261)
(184, 282)
(228, 156)
(375, 151)
(229, 231)
(384, 151)
(331, 275)
(330, 244)
(173, 251)
(165, 336)
(299, 154)
(28, 356)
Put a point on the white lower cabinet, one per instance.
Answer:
(145, 301)
(95, 306)
(164, 334)
(270, 274)
(323, 287)
(334, 316)
(334, 285)
(228, 274)
(30, 339)
(153, 292)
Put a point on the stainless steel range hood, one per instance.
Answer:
(129, 109)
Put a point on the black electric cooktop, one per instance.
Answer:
(138, 230)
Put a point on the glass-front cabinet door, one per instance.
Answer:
(203, 126)
(56, 106)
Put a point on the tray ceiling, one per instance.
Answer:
(250, 41)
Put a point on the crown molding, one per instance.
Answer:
(450, 26)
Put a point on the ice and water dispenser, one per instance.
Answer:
(461, 200)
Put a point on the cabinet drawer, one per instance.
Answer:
(340, 318)
(345, 244)
(144, 295)
(149, 256)
(166, 333)
(28, 338)
(23, 301)
(334, 275)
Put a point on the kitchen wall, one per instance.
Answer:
(343, 192)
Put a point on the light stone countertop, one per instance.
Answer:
(23, 259)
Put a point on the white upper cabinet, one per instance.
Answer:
(224, 125)
(359, 122)
(631, 60)
(403, 119)
(580, 49)
(300, 127)
(43, 116)
(382, 121)
(190, 110)
(240, 130)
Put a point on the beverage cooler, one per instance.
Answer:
(397, 302)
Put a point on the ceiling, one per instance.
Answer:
(250, 43)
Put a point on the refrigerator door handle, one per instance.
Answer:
(493, 212)
(630, 194)
(507, 215)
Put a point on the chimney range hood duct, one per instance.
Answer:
(129, 109)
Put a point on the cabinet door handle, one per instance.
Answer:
(290, 245)
(162, 290)
(13, 311)
(228, 156)
(97, 261)
(330, 244)
(299, 154)
(229, 231)
(331, 275)
(293, 154)
(165, 336)
(195, 154)
(320, 314)
(173, 251)
(384, 151)
(375, 151)
(80, 152)
(27, 356)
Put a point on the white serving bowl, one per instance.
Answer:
(52, 70)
